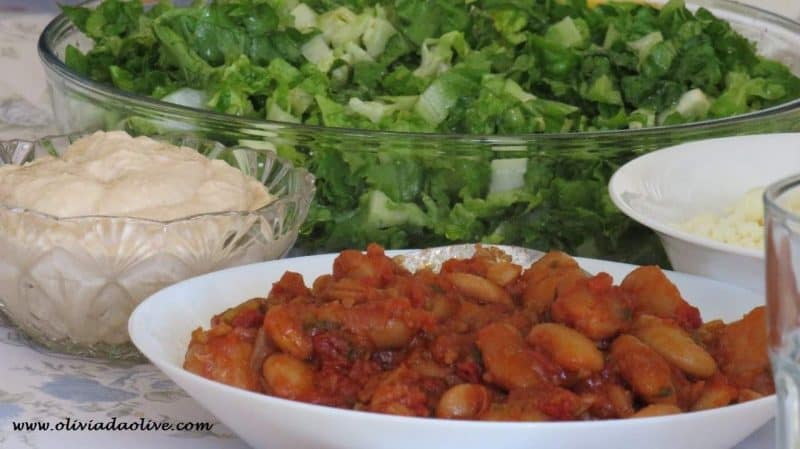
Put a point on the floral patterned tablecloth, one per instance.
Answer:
(40, 386)
(24, 102)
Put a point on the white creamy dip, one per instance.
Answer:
(74, 279)
(114, 174)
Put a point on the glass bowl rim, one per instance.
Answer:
(304, 194)
(771, 198)
(50, 60)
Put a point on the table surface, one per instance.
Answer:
(41, 386)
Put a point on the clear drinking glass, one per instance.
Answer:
(783, 302)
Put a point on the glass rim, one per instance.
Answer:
(772, 194)
(51, 61)
(304, 193)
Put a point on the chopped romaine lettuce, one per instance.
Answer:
(450, 66)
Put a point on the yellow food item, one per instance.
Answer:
(741, 225)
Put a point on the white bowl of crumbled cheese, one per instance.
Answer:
(704, 200)
(90, 225)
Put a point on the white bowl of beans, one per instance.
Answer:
(163, 326)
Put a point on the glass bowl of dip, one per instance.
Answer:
(71, 283)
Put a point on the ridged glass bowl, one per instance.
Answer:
(71, 283)
(583, 224)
